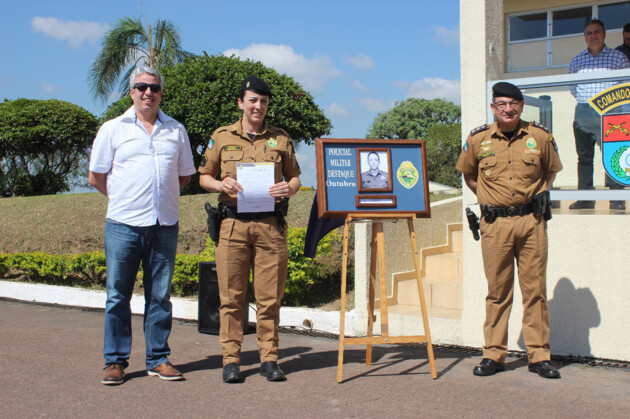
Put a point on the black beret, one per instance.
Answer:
(505, 89)
(256, 85)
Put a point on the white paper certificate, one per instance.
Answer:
(255, 178)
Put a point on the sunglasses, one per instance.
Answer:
(143, 87)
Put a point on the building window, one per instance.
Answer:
(550, 38)
(527, 27)
(570, 22)
(614, 15)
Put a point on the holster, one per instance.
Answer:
(542, 205)
(473, 223)
(281, 210)
(214, 222)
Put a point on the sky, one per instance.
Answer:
(357, 58)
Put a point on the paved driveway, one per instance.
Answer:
(50, 365)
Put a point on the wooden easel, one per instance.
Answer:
(378, 250)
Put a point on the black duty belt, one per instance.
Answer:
(231, 212)
(490, 213)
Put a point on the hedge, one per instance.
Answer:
(306, 276)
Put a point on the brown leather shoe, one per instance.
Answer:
(114, 375)
(166, 371)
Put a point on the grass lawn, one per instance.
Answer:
(75, 223)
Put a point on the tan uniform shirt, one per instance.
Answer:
(231, 145)
(509, 172)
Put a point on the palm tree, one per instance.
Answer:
(131, 43)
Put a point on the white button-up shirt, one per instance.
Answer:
(142, 169)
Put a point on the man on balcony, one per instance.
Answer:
(587, 122)
(625, 45)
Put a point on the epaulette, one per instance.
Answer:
(538, 125)
(221, 129)
(479, 129)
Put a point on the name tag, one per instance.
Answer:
(232, 148)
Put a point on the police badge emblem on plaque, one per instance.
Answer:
(407, 174)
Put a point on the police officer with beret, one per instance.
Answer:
(510, 165)
(258, 240)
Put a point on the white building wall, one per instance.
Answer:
(587, 285)
(479, 55)
(587, 279)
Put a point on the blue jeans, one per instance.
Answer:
(125, 247)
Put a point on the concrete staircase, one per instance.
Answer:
(442, 276)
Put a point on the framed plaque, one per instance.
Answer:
(371, 177)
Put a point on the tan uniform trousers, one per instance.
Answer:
(242, 244)
(522, 238)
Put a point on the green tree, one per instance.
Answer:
(42, 145)
(411, 118)
(437, 122)
(202, 94)
(443, 144)
(129, 43)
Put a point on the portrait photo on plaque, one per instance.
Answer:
(366, 176)
(376, 171)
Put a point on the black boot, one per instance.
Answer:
(272, 371)
(488, 367)
(232, 373)
(544, 369)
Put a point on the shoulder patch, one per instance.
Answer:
(539, 125)
(479, 129)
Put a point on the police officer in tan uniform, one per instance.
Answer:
(510, 166)
(374, 178)
(250, 239)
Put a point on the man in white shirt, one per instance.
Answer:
(139, 161)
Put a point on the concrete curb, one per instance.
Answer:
(183, 308)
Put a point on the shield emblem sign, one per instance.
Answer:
(616, 147)
(615, 131)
